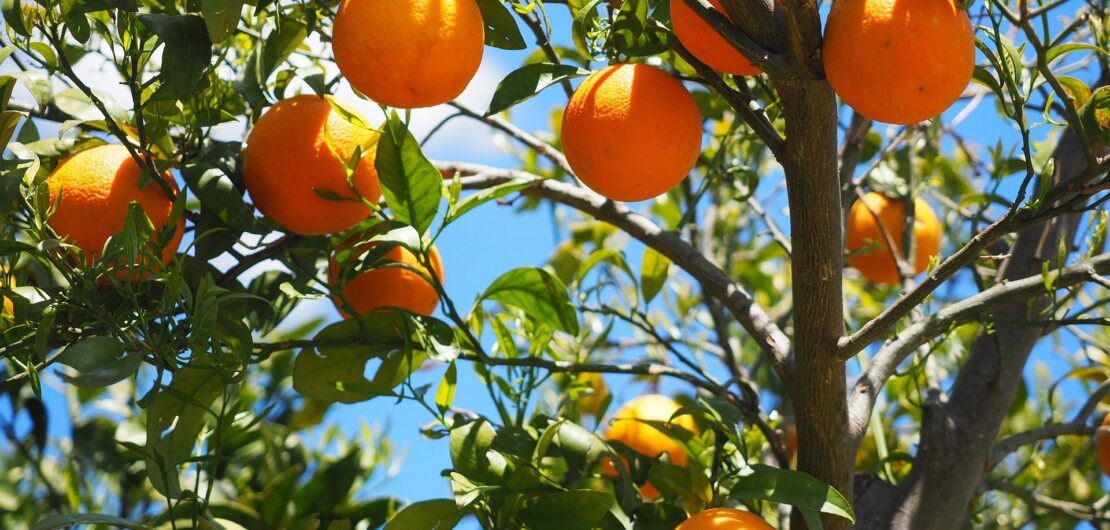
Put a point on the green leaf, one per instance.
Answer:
(183, 406)
(36, 82)
(527, 81)
(330, 485)
(437, 514)
(412, 186)
(9, 120)
(1096, 113)
(336, 373)
(75, 103)
(221, 17)
(57, 522)
(567, 510)
(791, 487)
(469, 444)
(99, 361)
(445, 394)
(501, 29)
(13, 15)
(187, 52)
(653, 272)
(489, 194)
(539, 294)
(217, 194)
(1063, 49)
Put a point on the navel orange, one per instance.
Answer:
(724, 519)
(706, 44)
(898, 61)
(627, 427)
(416, 53)
(299, 146)
(878, 263)
(391, 286)
(97, 187)
(631, 132)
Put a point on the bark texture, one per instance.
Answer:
(819, 386)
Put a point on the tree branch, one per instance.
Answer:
(977, 307)
(752, 317)
(1077, 426)
(759, 14)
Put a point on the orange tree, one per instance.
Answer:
(811, 394)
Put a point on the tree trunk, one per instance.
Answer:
(819, 387)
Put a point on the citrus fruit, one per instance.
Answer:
(628, 428)
(878, 264)
(591, 403)
(631, 132)
(1102, 447)
(725, 519)
(390, 285)
(706, 44)
(295, 152)
(417, 53)
(898, 61)
(97, 187)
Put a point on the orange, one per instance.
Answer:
(391, 286)
(1102, 447)
(725, 519)
(97, 187)
(706, 44)
(644, 438)
(631, 132)
(591, 404)
(298, 146)
(416, 53)
(899, 61)
(878, 263)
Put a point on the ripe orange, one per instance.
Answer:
(631, 132)
(725, 519)
(391, 286)
(417, 53)
(706, 44)
(97, 187)
(878, 264)
(1102, 447)
(899, 61)
(298, 146)
(644, 438)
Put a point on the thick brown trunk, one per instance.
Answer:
(819, 385)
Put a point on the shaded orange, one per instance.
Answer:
(706, 44)
(645, 439)
(97, 187)
(631, 132)
(724, 519)
(898, 61)
(878, 264)
(1102, 447)
(417, 53)
(300, 145)
(391, 286)
(591, 404)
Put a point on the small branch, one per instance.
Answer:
(753, 318)
(776, 234)
(886, 361)
(534, 143)
(740, 103)
(1034, 499)
(1077, 426)
(544, 42)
